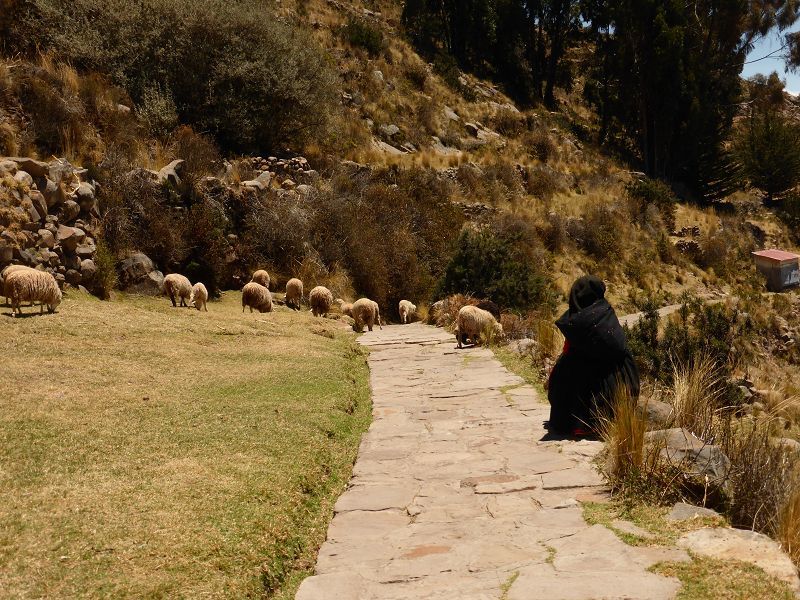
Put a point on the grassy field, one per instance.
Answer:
(154, 452)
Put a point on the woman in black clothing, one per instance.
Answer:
(595, 360)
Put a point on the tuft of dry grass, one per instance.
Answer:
(149, 451)
(788, 533)
(695, 396)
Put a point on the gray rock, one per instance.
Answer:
(85, 197)
(73, 277)
(8, 167)
(69, 237)
(88, 269)
(684, 512)
(472, 129)
(138, 274)
(377, 77)
(36, 168)
(72, 262)
(746, 546)
(451, 114)
(39, 204)
(46, 238)
(24, 178)
(26, 257)
(172, 173)
(86, 250)
(265, 179)
(389, 130)
(6, 253)
(29, 211)
(53, 195)
(656, 412)
(69, 211)
(698, 460)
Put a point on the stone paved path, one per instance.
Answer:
(454, 496)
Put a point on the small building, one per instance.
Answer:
(781, 268)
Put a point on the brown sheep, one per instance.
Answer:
(255, 295)
(178, 285)
(321, 300)
(294, 293)
(473, 323)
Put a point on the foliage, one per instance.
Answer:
(105, 280)
(361, 34)
(228, 67)
(695, 51)
(651, 192)
(503, 262)
(522, 44)
(768, 142)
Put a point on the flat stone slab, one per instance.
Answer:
(725, 543)
(453, 493)
(683, 512)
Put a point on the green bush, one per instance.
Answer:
(503, 263)
(361, 34)
(229, 66)
(651, 192)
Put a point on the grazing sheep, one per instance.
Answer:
(32, 286)
(407, 309)
(345, 307)
(321, 300)
(178, 285)
(199, 297)
(261, 277)
(294, 293)
(474, 322)
(7, 271)
(366, 312)
(491, 307)
(255, 295)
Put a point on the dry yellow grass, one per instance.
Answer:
(147, 451)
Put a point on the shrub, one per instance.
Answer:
(541, 181)
(508, 122)
(417, 74)
(502, 262)
(230, 68)
(540, 145)
(105, 280)
(157, 111)
(361, 34)
(651, 192)
(601, 237)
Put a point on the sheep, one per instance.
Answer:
(473, 322)
(491, 307)
(294, 293)
(346, 308)
(255, 295)
(11, 269)
(261, 277)
(321, 300)
(32, 286)
(366, 312)
(178, 285)
(199, 297)
(407, 309)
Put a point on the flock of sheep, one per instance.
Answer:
(24, 284)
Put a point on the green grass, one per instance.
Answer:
(710, 579)
(154, 452)
(702, 578)
(521, 365)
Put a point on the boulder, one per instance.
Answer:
(704, 465)
(288, 184)
(88, 269)
(685, 512)
(46, 238)
(26, 257)
(69, 211)
(138, 274)
(172, 173)
(389, 130)
(29, 211)
(85, 197)
(69, 237)
(8, 167)
(39, 204)
(265, 179)
(24, 178)
(53, 195)
(72, 262)
(36, 168)
(86, 250)
(746, 546)
(656, 412)
(73, 277)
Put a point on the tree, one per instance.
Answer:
(666, 79)
(768, 142)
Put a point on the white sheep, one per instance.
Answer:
(178, 285)
(366, 312)
(407, 309)
(346, 308)
(199, 298)
(31, 285)
(473, 323)
(294, 293)
(7, 271)
(255, 295)
(261, 277)
(321, 300)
